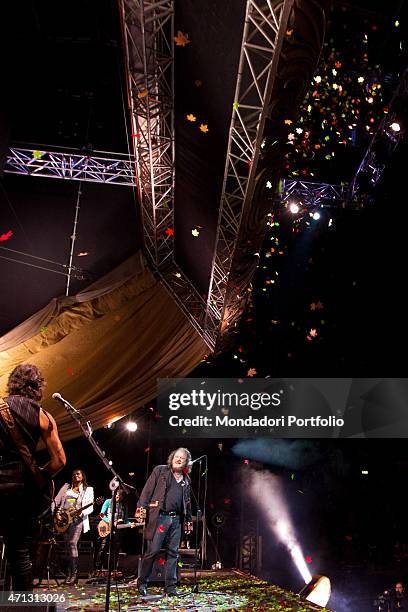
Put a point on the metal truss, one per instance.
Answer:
(149, 31)
(71, 166)
(381, 147)
(148, 27)
(313, 194)
(265, 26)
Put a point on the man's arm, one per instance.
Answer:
(148, 490)
(50, 437)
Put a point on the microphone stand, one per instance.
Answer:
(197, 501)
(114, 485)
(116, 481)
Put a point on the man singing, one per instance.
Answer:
(167, 495)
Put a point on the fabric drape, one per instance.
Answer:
(104, 348)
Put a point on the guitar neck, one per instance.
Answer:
(79, 510)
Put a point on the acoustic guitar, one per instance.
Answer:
(64, 517)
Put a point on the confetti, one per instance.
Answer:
(204, 128)
(191, 117)
(7, 236)
(181, 39)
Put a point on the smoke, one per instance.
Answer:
(291, 454)
(266, 491)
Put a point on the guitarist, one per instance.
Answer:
(75, 495)
(121, 518)
(17, 496)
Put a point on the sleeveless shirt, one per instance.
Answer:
(26, 413)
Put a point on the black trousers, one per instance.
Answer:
(17, 526)
(103, 549)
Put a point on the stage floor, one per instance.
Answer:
(218, 591)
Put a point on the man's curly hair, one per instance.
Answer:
(26, 379)
(170, 458)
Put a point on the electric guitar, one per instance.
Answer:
(64, 517)
(104, 527)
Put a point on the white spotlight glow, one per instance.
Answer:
(131, 426)
(265, 489)
(294, 208)
(316, 216)
(395, 127)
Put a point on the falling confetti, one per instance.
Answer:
(7, 236)
(195, 232)
(191, 117)
(204, 128)
(38, 154)
(251, 372)
(181, 39)
(170, 231)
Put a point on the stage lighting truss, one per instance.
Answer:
(312, 195)
(373, 165)
(148, 27)
(265, 27)
(72, 166)
(149, 36)
(148, 31)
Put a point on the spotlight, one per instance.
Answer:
(316, 216)
(294, 208)
(317, 591)
(395, 127)
(131, 426)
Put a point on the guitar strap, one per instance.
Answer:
(21, 445)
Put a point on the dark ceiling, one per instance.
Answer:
(63, 86)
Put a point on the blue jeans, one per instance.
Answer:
(167, 535)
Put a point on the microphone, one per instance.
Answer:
(190, 463)
(67, 405)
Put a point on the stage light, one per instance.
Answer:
(365, 472)
(316, 216)
(294, 208)
(131, 426)
(317, 591)
(395, 127)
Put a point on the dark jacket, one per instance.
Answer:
(399, 602)
(155, 491)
